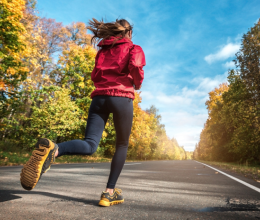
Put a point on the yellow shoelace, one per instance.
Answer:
(119, 191)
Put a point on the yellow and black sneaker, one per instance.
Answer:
(40, 162)
(108, 200)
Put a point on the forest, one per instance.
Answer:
(232, 130)
(45, 87)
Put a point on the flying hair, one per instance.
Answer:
(102, 30)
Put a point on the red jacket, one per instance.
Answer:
(118, 68)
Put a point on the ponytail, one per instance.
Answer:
(103, 30)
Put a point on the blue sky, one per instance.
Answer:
(189, 47)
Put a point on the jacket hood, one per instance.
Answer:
(110, 41)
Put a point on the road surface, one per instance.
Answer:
(152, 190)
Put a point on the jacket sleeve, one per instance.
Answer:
(93, 74)
(135, 66)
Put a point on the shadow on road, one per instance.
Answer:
(7, 195)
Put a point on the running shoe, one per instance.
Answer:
(40, 162)
(108, 200)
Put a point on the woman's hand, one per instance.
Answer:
(137, 88)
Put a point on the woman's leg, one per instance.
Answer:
(122, 109)
(97, 118)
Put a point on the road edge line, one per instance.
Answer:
(234, 178)
(132, 163)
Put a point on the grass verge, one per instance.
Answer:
(20, 158)
(250, 171)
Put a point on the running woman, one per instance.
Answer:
(118, 71)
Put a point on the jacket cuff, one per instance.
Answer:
(138, 87)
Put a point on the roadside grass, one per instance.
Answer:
(250, 171)
(12, 159)
(11, 155)
(81, 159)
(20, 158)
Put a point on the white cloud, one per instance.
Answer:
(185, 96)
(147, 95)
(184, 126)
(229, 65)
(184, 119)
(173, 99)
(208, 84)
(227, 51)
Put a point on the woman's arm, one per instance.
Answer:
(93, 74)
(135, 66)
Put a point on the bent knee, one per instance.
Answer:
(92, 148)
(122, 144)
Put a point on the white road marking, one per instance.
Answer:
(132, 163)
(234, 178)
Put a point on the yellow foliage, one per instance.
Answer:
(12, 42)
(2, 85)
(143, 129)
(215, 96)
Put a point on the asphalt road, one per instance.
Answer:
(152, 190)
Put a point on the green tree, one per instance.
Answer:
(53, 115)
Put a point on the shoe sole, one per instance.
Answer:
(106, 204)
(31, 171)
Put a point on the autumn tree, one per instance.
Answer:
(143, 131)
(241, 120)
(248, 61)
(12, 42)
(161, 146)
(16, 18)
(232, 131)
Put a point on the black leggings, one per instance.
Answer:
(100, 108)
